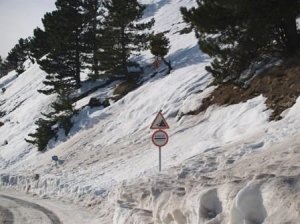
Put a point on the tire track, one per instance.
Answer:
(52, 217)
(6, 216)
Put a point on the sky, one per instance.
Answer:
(18, 19)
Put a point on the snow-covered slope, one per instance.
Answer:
(109, 157)
(22, 105)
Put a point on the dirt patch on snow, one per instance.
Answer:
(124, 88)
(279, 84)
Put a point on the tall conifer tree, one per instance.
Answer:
(122, 34)
(63, 32)
(64, 29)
(159, 47)
(93, 14)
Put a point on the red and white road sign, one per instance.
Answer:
(160, 138)
(159, 122)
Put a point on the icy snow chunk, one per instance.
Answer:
(210, 204)
(248, 207)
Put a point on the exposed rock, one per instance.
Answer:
(94, 102)
(279, 84)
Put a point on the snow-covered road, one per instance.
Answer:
(16, 208)
(6, 216)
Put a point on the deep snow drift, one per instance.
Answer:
(227, 165)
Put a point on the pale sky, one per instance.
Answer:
(18, 18)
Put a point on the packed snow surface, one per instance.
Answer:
(225, 165)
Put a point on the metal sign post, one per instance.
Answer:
(159, 138)
(159, 159)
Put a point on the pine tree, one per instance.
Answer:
(1, 67)
(43, 134)
(63, 33)
(59, 118)
(237, 33)
(92, 14)
(159, 47)
(63, 28)
(5, 68)
(123, 35)
(40, 45)
(18, 55)
(63, 112)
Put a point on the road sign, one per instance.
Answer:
(160, 138)
(159, 122)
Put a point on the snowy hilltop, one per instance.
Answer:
(226, 163)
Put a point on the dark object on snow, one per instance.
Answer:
(1, 124)
(186, 30)
(3, 90)
(106, 103)
(57, 161)
(124, 88)
(2, 114)
(134, 70)
(94, 102)
(36, 176)
(5, 143)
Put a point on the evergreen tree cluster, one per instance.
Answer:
(2, 69)
(237, 33)
(16, 57)
(99, 35)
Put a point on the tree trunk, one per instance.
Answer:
(291, 34)
(95, 45)
(123, 53)
(167, 63)
(77, 62)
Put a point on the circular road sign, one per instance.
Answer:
(160, 138)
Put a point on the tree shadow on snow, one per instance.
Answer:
(187, 56)
(151, 9)
(182, 58)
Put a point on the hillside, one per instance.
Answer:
(225, 164)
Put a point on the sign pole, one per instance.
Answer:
(159, 159)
